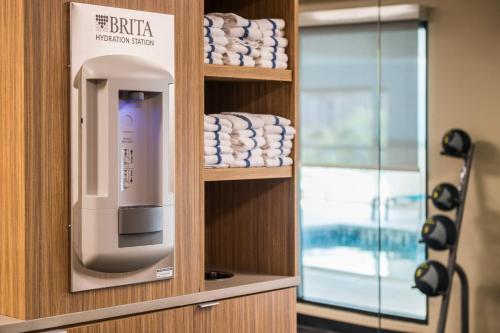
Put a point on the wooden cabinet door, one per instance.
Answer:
(260, 313)
(178, 320)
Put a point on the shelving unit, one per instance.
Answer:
(213, 175)
(235, 73)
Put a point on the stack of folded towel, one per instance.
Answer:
(247, 139)
(214, 38)
(218, 151)
(273, 44)
(278, 135)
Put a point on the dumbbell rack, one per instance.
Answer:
(453, 266)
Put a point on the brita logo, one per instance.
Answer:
(124, 26)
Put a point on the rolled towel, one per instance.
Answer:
(216, 40)
(216, 120)
(213, 21)
(254, 161)
(272, 49)
(270, 119)
(213, 32)
(275, 33)
(274, 41)
(244, 144)
(243, 155)
(278, 144)
(217, 135)
(219, 159)
(270, 24)
(231, 19)
(271, 64)
(273, 56)
(278, 161)
(218, 150)
(248, 133)
(217, 127)
(243, 32)
(236, 59)
(210, 61)
(212, 55)
(278, 152)
(243, 49)
(216, 143)
(277, 137)
(241, 121)
(214, 48)
(278, 129)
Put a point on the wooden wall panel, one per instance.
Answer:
(48, 156)
(12, 273)
(170, 321)
(260, 313)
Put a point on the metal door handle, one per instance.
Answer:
(207, 305)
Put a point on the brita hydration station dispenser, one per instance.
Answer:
(123, 221)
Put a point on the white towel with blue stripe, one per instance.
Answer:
(274, 41)
(218, 150)
(233, 20)
(238, 59)
(278, 161)
(217, 135)
(275, 33)
(212, 55)
(210, 61)
(277, 137)
(272, 49)
(273, 56)
(241, 121)
(216, 40)
(278, 129)
(214, 48)
(270, 24)
(248, 133)
(244, 49)
(244, 155)
(243, 32)
(213, 32)
(213, 21)
(271, 64)
(219, 159)
(254, 161)
(244, 144)
(278, 144)
(216, 143)
(270, 119)
(217, 120)
(278, 152)
(216, 128)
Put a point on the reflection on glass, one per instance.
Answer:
(341, 199)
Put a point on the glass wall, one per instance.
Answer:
(363, 166)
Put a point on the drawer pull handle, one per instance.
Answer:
(207, 305)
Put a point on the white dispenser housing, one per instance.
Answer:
(124, 218)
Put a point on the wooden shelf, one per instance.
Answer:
(212, 175)
(236, 73)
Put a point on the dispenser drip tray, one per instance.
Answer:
(217, 275)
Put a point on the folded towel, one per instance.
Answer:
(274, 41)
(248, 133)
(213, 61)
(278, 144)
(270, 24)
(243, 49)
(272, 49)
(243, 32)
(275, 33)
(217, 127)
(278, 161)
(216, 166)
(212, 55)
(213, 32)
(215, 120)
(213, 21)
(244, 144)
(271, 64)
(278, 129)
(254, 161)
(217, 40)
(233, 20)
(244, 155)
(217, 135)
(218, 150)
(273, 56)
(219, 159)
(241, 121)
(270, 119)
(216, 143)
(278, 152)
(277, 137)
(237, 59)
(214, 48)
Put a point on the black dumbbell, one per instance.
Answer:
(445, 196)
(456, 142)
(431, 278)
(439, 232)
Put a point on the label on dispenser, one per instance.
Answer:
(127, 168)
(163, 273)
